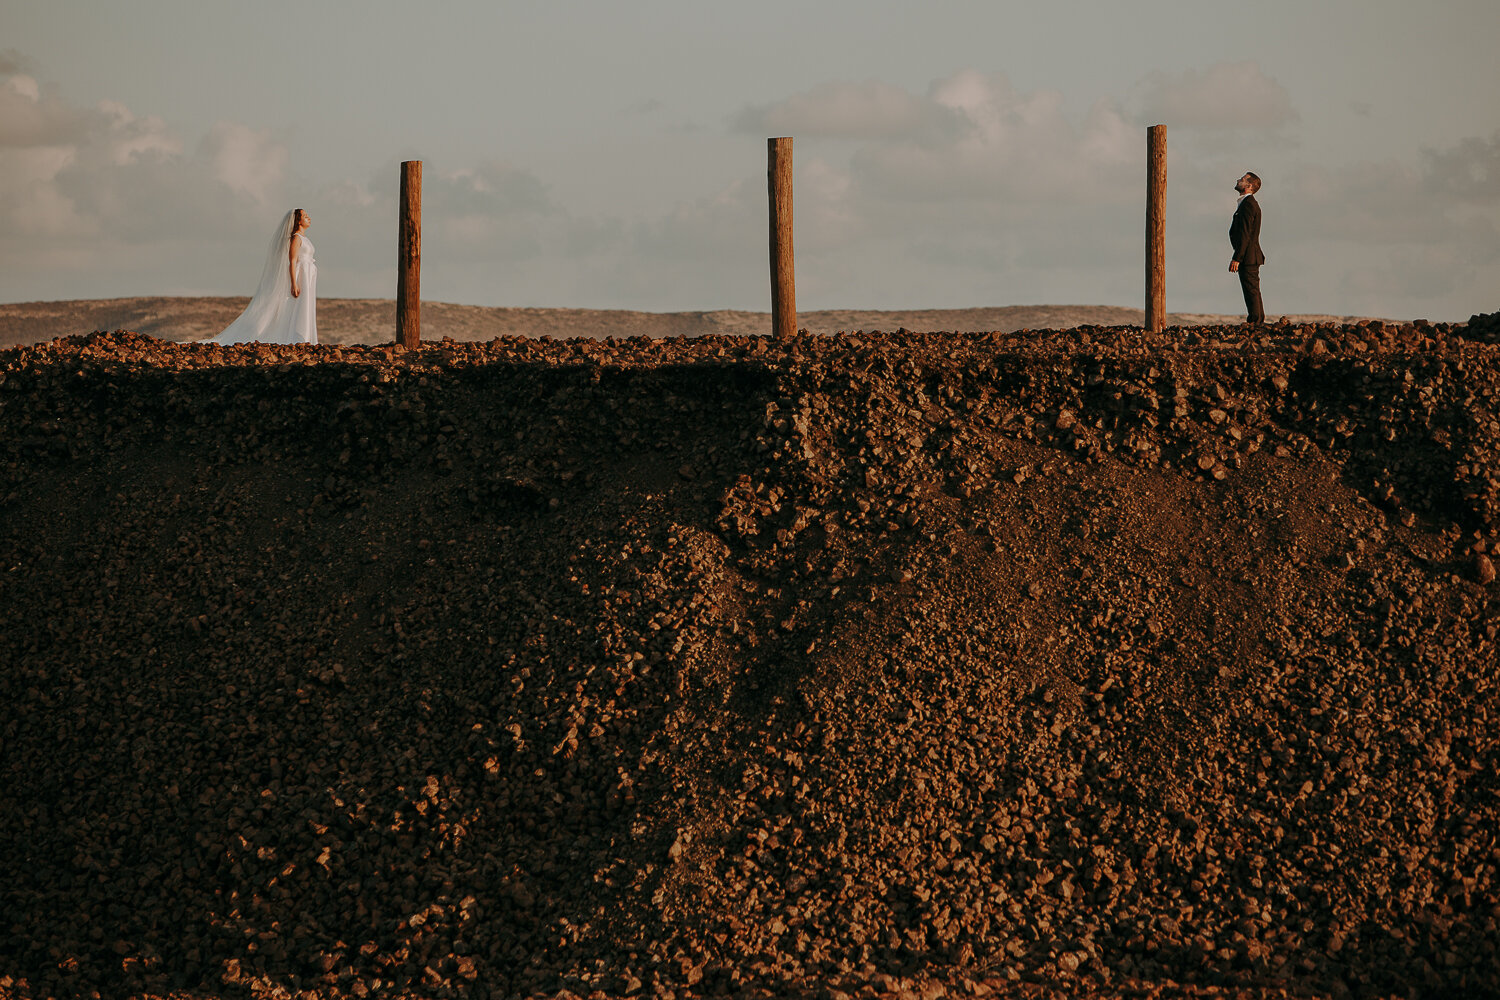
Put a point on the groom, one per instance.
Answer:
(1244, 236)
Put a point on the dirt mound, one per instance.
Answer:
(1081, 662)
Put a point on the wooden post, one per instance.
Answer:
(783, 267)
(409, 258)
(1156, 228)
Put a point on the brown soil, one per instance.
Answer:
(1075, 663)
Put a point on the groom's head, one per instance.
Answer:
(1248, 184)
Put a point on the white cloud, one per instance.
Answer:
(1235, 95)
(972, 191)
(250, 162)
(705, 252)
(492, 212)
(31, 117)
(866, 110)
(971, 136)
(124, 196)
(98, 177)
(1445, 200)
(482, 227)
(1401, 237)
(1016, 199)
(124, 138)
(974, 184)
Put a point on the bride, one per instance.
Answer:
(284, 307)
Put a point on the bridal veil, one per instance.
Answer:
(272, 313)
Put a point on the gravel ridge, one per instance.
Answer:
(1081, 662)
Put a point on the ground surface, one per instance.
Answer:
(1081, 663)
(373, 321)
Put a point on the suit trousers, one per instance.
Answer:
(1250, 285)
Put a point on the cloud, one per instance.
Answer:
(31, 117)
(707, 227)
(1412, 274)
(866, 110)
(105, 174)
(491, 212)
(1016, 198)
(250, 162)
(124, 195)
(1400, 237)
(1235, 95)
(1014, 147)
(1467, 172)
(1450, 198)
(134, 181)
(973, 190)
(483, 229)
(970, 191)
(971, 137)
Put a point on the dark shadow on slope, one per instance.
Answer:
(398, 614)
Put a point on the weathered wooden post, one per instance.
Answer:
(409, 258)
(783, 266)
(1156, 228)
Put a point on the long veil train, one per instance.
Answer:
(273, 316)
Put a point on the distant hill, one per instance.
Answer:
(366, 321)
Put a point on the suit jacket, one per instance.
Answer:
(1244, 233)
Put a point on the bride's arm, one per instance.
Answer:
(291, 262)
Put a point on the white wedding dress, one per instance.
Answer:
(274, 316)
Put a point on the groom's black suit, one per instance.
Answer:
(1244, 236)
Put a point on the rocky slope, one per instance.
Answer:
(1081, 662)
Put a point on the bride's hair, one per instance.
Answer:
(297, 214)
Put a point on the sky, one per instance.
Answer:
(612, 155)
